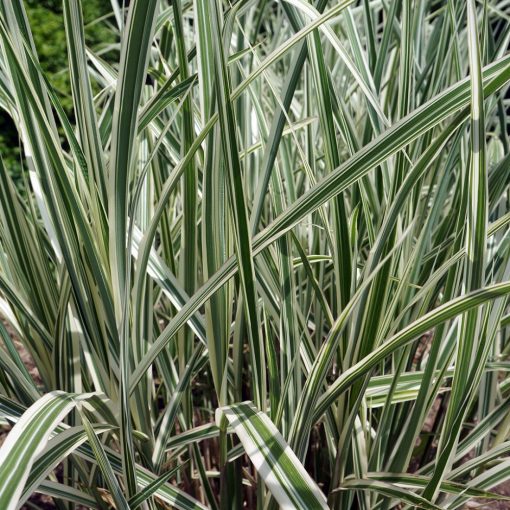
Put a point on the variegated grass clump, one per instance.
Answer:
(265, 260)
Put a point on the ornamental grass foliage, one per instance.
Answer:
(257, 257)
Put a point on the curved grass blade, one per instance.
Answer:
(275, 462)
(398, 494)
(27, 440)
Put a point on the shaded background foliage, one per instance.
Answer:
(46, 20)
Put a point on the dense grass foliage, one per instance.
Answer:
(260, 258)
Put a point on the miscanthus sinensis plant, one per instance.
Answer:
(263, 262)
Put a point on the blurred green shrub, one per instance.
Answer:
(47, 23)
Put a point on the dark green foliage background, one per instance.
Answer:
(47, 23)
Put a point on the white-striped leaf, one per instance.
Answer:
(273, 458)
(27, 440)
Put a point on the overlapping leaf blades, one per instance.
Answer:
(300, 204)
